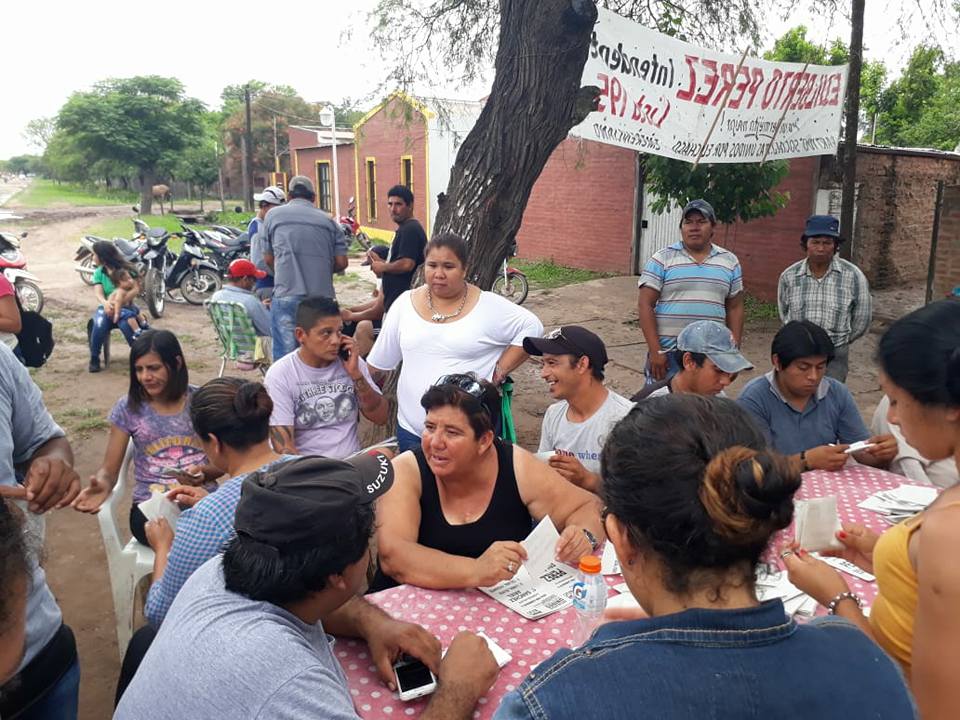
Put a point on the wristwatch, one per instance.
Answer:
(803, 461)
(591, 538)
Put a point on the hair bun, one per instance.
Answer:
(748, 493)
(252, 402)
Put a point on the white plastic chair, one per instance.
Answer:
(129, 563)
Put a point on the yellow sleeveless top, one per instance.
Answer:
(895, 606)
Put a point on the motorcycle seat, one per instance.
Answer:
(234, 242)
(127, 247)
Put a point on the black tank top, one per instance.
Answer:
(506, 517)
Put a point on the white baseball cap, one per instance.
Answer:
(272, 195)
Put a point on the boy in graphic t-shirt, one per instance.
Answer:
(319, 390)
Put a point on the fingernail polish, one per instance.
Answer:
(841, 534)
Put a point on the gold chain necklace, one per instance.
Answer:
(439, 317)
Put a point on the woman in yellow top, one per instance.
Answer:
(916, 615)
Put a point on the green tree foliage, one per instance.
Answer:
(138, 121)
(738, 192)
(39, 131)
(24, 164)
(793, 46)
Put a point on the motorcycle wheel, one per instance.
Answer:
(197, 287)
(86, 269)
(30, 294)
(154, 291)
(514, 289)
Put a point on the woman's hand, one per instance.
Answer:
(159, 535)
(813, 576)
(94, 495)
(500, 562)
(186, 495)
(573, 545)
(858, 543)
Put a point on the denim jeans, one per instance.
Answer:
(60, 703)
(672, 369)
(283, 313)
(406, 440)
(102, 325)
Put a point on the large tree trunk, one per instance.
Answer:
(147, 177)
(536, 98)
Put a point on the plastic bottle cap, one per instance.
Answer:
(590, 564)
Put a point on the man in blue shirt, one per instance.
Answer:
(242, 276)
(806, 414)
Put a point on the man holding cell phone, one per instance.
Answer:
(291, 574)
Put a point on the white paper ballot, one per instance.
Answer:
(541, 547)
(846, 566)
(546, 455)
(160, 506)
(609, 565)
(858, 446)
(817, 523)
(624, 600)
(499, 654)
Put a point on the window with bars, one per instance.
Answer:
(324, 194)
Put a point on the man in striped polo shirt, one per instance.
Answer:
(688, 281)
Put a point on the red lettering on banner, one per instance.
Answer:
(726, 74)
(687, 94)
(711, 81)
(771, 88)
(618, 97)
(835, 87)
(740, 89)
(755, 83)
(604, 81)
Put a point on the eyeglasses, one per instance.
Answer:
(558, 335)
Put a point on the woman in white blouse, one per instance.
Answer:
(447, 326)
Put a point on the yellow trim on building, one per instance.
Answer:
(405, 179)
(426, 170)
(386, 236)
(296, 162)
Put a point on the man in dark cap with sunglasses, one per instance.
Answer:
(248, 629)
(575, 428)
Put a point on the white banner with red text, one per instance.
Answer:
(660, 95)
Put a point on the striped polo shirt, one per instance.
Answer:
(690, 291)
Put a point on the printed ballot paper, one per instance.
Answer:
(609, 565)
(160, 506)
(816, 523)
(542, 585)
(900, 503)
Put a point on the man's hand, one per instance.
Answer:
(352, 363)
(827, 457)
(389, 638)
(883, 452)
(376, 263)
(572, 545)
(94, 495)
(658, 364)
(500, 562)
(468, 667)
(573, 470)
(186, 495)
(346, 315)
(159, 535)
(50, 483)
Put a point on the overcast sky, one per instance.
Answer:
(53, 50)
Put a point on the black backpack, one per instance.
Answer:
(35, 337)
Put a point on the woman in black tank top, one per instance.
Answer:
(463, 501)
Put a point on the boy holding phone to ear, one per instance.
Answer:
(313, 387)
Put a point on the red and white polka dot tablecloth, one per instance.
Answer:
(447, 612)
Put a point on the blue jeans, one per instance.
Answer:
(103, 324)
(60, 703)
(406, 440)
(283, 314)
(672, 368)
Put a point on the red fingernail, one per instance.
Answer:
(841, 534)
(801, 552)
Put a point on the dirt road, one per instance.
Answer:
(80, 401)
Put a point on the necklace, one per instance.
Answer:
(439, 317)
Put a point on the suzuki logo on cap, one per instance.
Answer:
(381, 475)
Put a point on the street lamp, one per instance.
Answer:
(329, 120)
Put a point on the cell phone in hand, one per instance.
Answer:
(180, 472)
(344, 353)
(414, 679)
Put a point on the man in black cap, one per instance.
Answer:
(827, 290)
(246, 635)
(691, 280)
(575, 428)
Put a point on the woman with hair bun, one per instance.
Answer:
(693, 498)
(231, 417)
(915, 616)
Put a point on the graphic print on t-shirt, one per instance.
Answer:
(322, 404)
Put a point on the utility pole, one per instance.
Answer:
(852, 123)
(276, 155)
(248, 154)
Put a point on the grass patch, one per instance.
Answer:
(83, 421)
(757, 310)
(44, 193)
(110, 228)
(544, 274)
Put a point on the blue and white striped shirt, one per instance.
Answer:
(690, 291)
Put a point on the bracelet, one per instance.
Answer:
(591, 538)
(832, 605)
(803, 461)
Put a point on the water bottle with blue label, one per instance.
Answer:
(589, 595)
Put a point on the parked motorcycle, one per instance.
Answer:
(510, 282)
(14, 264)
(222, 249)
(351, 228)
(192, 272)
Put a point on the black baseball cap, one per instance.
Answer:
(298, 503)
(569, 340)
(700, 206)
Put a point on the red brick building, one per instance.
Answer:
(310, 150)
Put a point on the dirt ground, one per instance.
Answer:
(75, 561)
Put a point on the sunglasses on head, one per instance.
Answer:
(558, 335)
(469, 383)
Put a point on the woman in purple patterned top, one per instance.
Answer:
(155, 415)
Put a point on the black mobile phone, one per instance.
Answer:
(344, 353)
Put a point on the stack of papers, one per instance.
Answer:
(901, 502)
(776, 585)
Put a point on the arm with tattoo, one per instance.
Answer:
(281, 436)
(372, 404)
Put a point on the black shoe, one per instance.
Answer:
(94, 366)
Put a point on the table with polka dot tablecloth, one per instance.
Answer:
(447, 612)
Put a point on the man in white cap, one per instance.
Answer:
(270, 198)
(304, 247)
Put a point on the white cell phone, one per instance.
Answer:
(858, 446)
(414, 679)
